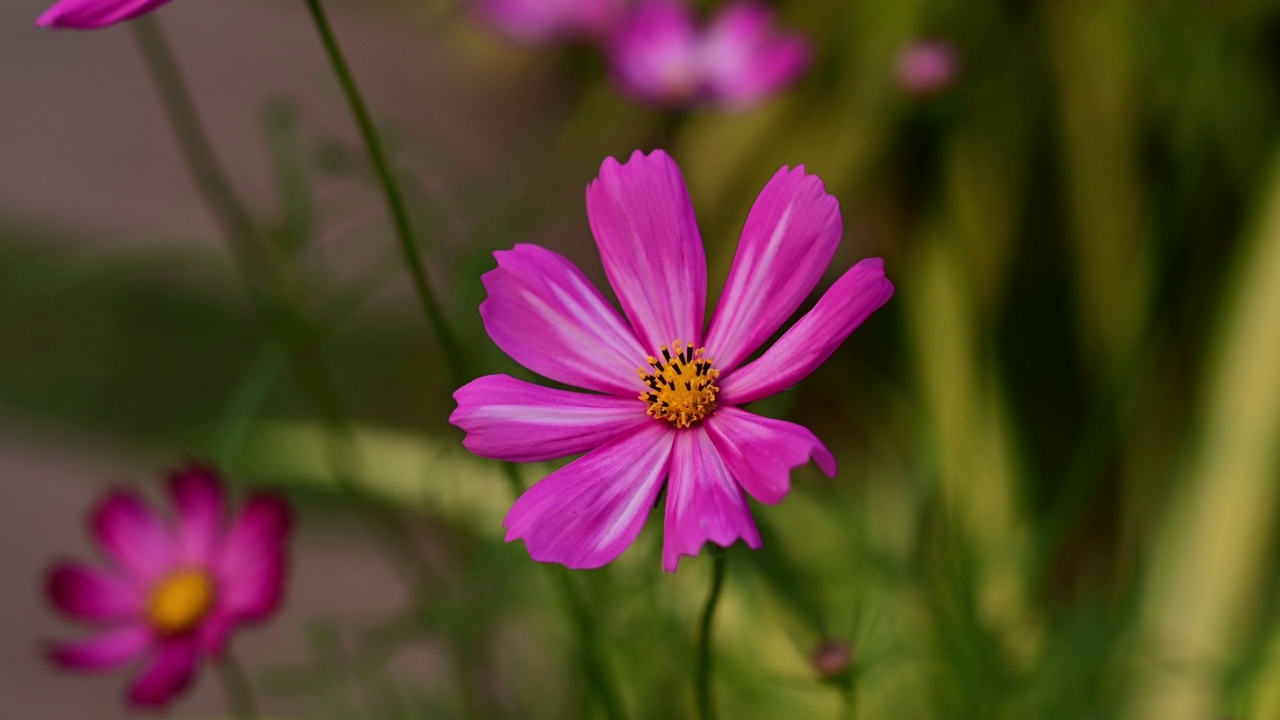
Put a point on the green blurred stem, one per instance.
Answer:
(265, 276)
(706, 704)
(391, 191)
(590, 657)
(235, 684)
(849, 710)
(205, 169)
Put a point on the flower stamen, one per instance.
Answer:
(179, 601)
(681, 384)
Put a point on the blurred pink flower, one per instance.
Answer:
(927, 66)
(95, 14)
(661, 410)
(660, 55)
(540, 21)
(171, 592)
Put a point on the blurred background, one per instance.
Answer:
(1059, 443)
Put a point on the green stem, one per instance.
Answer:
(849, 711)
(706, 704)
(589, 656)
(211, 180)
(391, 191)
(592, 663)
(267, 280)
(235, 683)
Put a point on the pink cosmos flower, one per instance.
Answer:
(171, 594)
(666, 395)
(536, 22)
(95, 14)
(660, 55)
(927, 66)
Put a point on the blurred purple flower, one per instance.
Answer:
(95, 14)
(661, 410)
(535, 22)
(660, 55)
(172, 592)
(927, 66)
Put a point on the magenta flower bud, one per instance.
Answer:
(661, 55)
(171, 592)
(536, 22)
(832, 659)
(927, 66)
(95, 14)
(663, 388)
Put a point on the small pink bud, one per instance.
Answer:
(927, 66)
(833, 658)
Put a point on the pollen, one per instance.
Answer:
(681, 383)
(179, 601)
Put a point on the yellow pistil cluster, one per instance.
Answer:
(180, 601)
(681, 384)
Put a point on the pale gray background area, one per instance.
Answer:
(86, 157)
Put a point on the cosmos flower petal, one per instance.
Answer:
(790, 236)
(214, 631)
(643, 222)
(517, 421)
(197, 497)
(251, 572)
(761, 452)
(745, 58)
(654, 53)
(95, 14)
(92, 594)
(802, 348)
(106, 651)
(704, 503)
(545, 314)
(133, 536)
(586, 513)
(169, 673)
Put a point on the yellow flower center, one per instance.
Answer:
(681, 384)
(180, 601)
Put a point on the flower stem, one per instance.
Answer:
(592, 662)
(211, 180)
(593, 665)
(391, 191)
(849, 709)
(267, 279)
(706, 704)
(235, 683)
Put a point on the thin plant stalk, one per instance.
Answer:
(207, 172)
(849, 708)
(590, 656)
(261, 269)
(391, 192)
(236, 686)
(706, 703)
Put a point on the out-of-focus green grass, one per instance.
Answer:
(1059, 443)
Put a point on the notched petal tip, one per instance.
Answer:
(762, 452)
(672, 564)
(273, 510)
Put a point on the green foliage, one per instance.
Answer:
(1058, 443)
